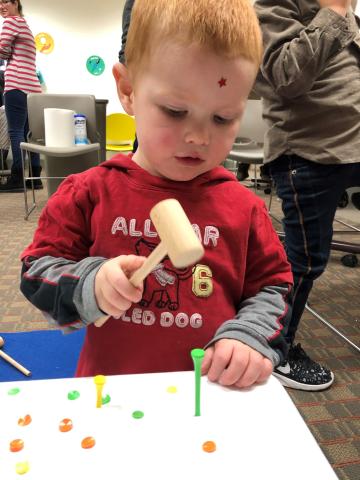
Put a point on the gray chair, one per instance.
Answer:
(59, 162)
(248, 146)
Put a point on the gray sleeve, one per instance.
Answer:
(261, 323)
(125, 28)
(84, 296)
(296, 54)
(63, 289)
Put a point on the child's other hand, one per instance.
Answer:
(113, 291)
(232, 363)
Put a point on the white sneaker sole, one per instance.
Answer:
(287, 382)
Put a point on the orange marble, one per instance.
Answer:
(23, 421)
(88, 442)
(209, 446)
(16, 445)
(65, 425)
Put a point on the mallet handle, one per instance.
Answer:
(150, 263)
(137, 277)
(14, 363)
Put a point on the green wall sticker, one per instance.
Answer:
(95, 65)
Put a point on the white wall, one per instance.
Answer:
(80, 28)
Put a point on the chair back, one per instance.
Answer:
(80, 103)
(252, 125)
(249, 144)
(120, 132)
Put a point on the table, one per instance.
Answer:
(258, 433)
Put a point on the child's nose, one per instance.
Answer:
(198, 134)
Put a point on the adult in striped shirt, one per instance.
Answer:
(17, 47)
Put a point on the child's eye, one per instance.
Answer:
(174, 113)
(221, 120)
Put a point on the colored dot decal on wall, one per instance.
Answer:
(95, 65)
(44, 43)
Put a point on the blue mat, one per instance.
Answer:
(46, 353)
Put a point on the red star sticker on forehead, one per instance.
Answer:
(222, 82)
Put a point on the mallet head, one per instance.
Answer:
(175, 231)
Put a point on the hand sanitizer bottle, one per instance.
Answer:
(80, 129)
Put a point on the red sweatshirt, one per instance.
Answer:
(104, 212)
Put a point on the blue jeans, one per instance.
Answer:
(18, 127)
(310, 193)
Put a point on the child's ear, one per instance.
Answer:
(124, 87)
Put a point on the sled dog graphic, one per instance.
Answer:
(162, 285)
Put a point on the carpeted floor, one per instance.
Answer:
(333, 416)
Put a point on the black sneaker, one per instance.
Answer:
(355, 198)
(38, 185)
(302, 373)
(242, 171)
(3, 165)
(14, 183)
(264, 173)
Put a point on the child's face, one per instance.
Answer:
(188, 103)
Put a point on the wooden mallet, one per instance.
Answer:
(13, 362)
(178, 241)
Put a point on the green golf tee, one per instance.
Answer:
(197, 355)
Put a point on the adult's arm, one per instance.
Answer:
(7, 37)
(296, 52)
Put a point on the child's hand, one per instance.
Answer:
(232, 363)
(113, 291)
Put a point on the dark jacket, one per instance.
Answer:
(125, 26)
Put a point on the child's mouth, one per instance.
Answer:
(189, 160)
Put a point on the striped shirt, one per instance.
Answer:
(17, 46)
